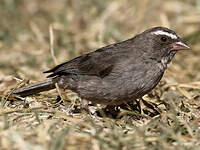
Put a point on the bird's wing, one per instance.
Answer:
(98, 63)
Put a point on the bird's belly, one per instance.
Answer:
(145, 83)
(116, 90)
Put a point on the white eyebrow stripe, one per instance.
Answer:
(160, 32)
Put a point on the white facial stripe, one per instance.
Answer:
(160, 32)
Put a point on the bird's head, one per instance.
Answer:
(161, 43)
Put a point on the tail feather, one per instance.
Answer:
(35, 88)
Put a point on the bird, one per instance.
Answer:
(117, 73)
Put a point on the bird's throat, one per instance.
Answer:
(164, 62)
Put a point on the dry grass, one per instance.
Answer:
(43, 122)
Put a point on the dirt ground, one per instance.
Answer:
(29, 30)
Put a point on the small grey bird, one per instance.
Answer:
(117, 73)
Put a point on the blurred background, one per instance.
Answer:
(80, 26)
(83, 26)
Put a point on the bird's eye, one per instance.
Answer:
(163, 39)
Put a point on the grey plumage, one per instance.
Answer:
(35, 88)
(116, 73)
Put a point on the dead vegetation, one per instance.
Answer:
(170, 119)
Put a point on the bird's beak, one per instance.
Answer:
(180, 45)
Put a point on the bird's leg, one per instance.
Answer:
(113, 110)
(138, 101)
(85, 103)
(151, 109)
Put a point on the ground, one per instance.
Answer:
(37, 35)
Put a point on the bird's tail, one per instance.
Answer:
(35, 88)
